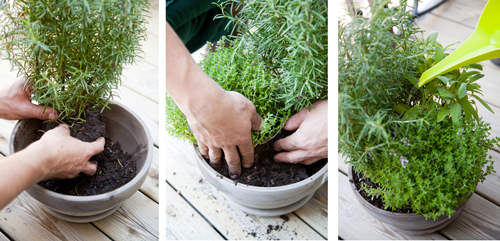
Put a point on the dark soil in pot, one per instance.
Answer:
(361, 181)
(265, 172)
(114, 167)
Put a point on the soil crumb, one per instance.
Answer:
(114, 167)
(285, 218)
(265, 172)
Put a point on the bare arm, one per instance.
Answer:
(220, 120)
(55, 155)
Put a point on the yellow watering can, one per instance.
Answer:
(483, 44)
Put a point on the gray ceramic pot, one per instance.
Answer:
(264, 201)
(408, 223)
(123, 126)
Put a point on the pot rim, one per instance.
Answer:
(101, 196)
(227, 181)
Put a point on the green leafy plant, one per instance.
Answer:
(279, 62)
(425, 147)
(72, 52)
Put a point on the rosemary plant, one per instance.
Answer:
(72, 52)
(279, 62)
(426, 147)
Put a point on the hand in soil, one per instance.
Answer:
(226, 125)
(309, 143)
(15, 103)
(65, 156)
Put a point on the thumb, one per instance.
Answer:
(294, 121)
(256, 122)
(37, 111)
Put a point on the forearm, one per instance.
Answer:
(186, 82)
(19, 171)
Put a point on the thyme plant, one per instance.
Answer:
(426, 147)
(279, 62)
(72, 52)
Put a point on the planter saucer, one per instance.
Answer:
(273, 211)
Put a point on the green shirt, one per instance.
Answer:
(193, 21)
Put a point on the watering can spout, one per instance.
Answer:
(482, 45)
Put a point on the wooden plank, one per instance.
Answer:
(355, 223)
(3, 237)
(143, 107)
(478, 220)
(489, 188)
(463, 12)
(184, 222)
(24, 219)
(232, 223)
(136, 219)
(150, 186)
(315, 212)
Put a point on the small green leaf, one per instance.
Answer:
(483, 103)
(444, 79)
(400, 108)
(467, 105)
(445, 111)
(445, 93)
(439, 54)
(462, 91)
(475, 66)
(432, 38)
(467, 74)
(476, 77)
(455, 111)
(412, 79)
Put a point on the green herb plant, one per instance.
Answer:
(72, 52)
(425, 148)
(279, 62)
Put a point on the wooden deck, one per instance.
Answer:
(454, 21)
(137, 218)
(196, 210)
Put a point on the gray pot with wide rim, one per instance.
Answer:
(123, 126)
(408, 223)
(264, 201)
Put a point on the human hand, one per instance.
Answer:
(15, 103)
(65, 156)
(225, 124)
(310, 142)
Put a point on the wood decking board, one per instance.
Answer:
(136, 219)
(232, 223)
(315, 212)
(184, 222)
(24, 219)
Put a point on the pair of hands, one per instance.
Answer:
(58, 154)
(226, 125)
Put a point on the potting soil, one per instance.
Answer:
(114, 167)
(265, 172)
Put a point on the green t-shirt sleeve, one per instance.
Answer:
(193, 21)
